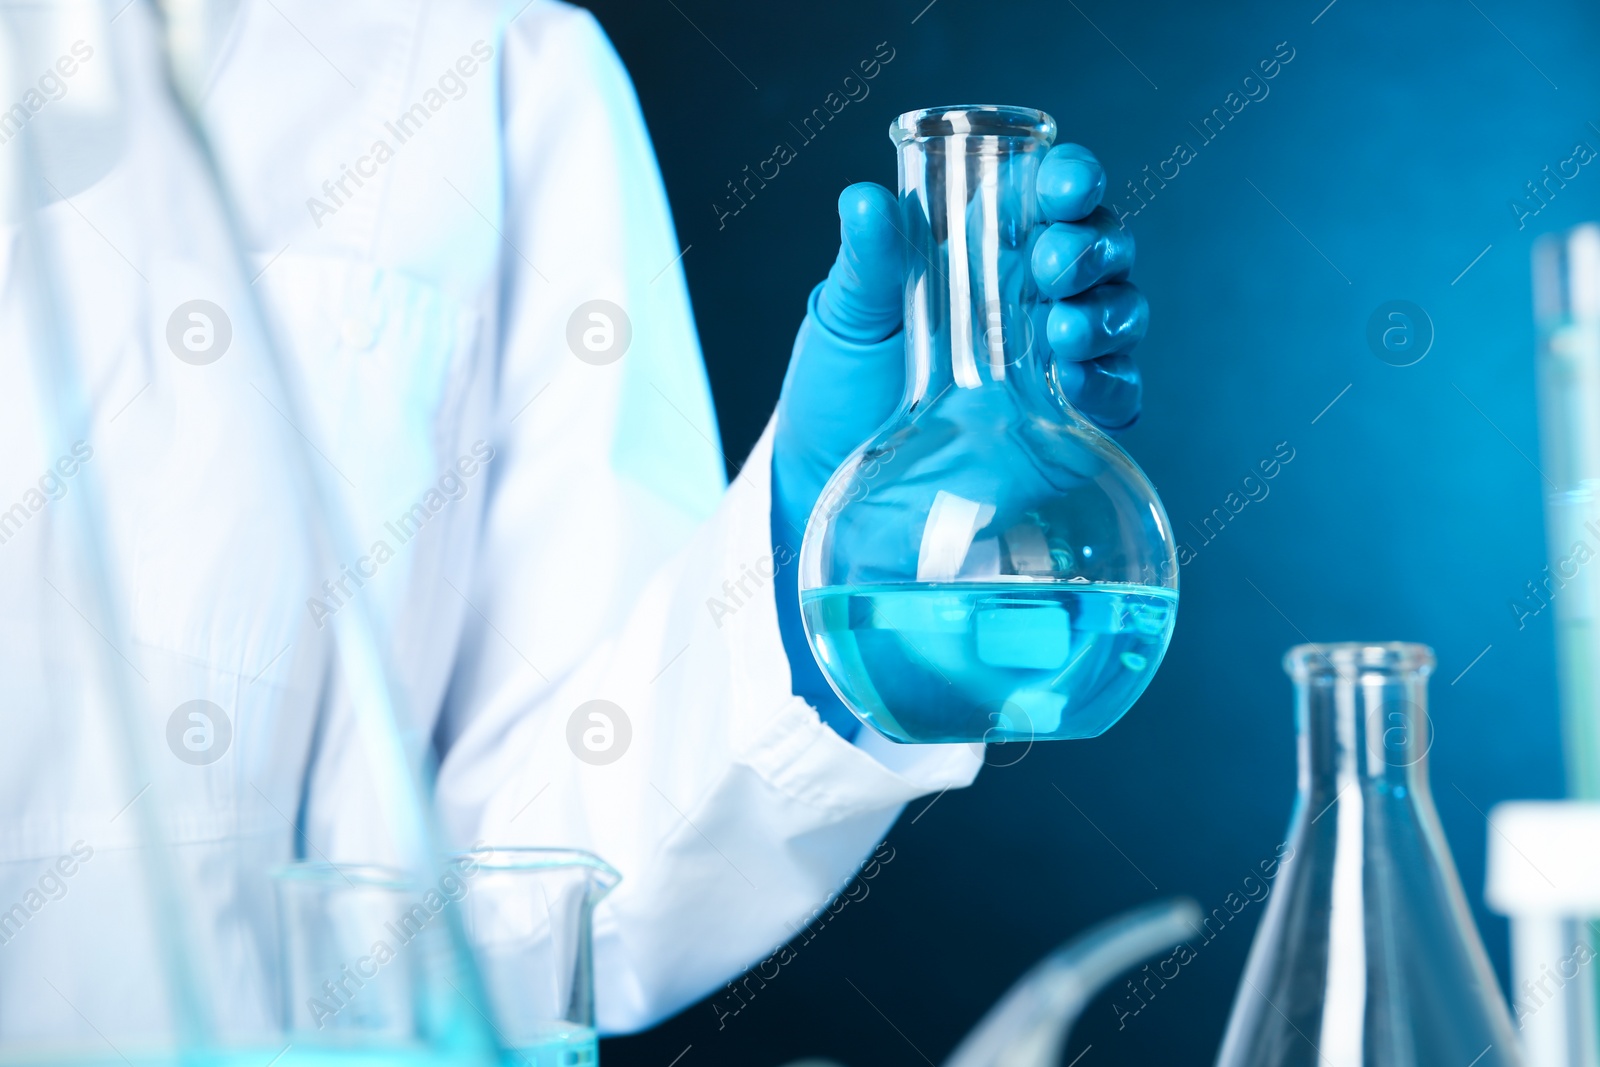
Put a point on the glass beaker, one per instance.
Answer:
(1367, 953)
(356, 945)
(528, 915)
(990, 566)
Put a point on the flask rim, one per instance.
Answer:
(974, 120)
(516, 858)
(1321, 661)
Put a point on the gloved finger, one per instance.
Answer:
(1071, 183)
(1109, 391)
(1070, 257)
(861, 298)
(1108, 318)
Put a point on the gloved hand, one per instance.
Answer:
(847, 371)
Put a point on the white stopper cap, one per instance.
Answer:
(1544, 858)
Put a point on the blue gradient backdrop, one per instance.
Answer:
(1382, 163)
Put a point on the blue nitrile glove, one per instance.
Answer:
(847, 371)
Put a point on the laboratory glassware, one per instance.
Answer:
(1566, 285)
(1544, 872)
(1030, 1024)
(1566, 291)
(528, 915)
(1367, 953)
(989, 566)
(155, 743)
(356, 940)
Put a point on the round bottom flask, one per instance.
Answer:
(990, 566)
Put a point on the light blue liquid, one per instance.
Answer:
(990, 661)
(569, 1047)
(559, 1045)
(578, 1048)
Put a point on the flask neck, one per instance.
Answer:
(1363, 721)
(1367, 948)
(970, 214)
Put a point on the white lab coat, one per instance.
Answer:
(427, 309)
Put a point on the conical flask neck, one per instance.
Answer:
(969, 210)
(1363, 719)
(1367, 953)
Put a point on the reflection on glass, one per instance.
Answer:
(528, 916)
(990, 566)
(155, 739)
(1367, 953)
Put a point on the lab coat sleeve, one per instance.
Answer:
(615, 567)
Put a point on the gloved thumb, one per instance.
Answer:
(860, 302)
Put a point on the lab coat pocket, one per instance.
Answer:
(233, 585)
(389, 364)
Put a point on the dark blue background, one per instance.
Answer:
(1384, 160)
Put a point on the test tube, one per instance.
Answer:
(1566, 291)
(1566, 284)
(1544, 873)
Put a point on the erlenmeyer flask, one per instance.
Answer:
(1367, 953)
(990, 566)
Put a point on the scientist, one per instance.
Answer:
(454, 218)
